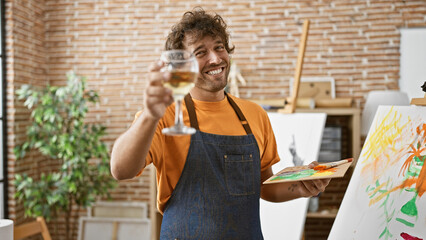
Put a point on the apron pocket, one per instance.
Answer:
(239, 175)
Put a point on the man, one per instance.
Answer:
(209, 183)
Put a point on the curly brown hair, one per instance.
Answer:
(198, 24)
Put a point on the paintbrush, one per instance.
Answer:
(332, 164)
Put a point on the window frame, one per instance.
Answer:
(3, 114)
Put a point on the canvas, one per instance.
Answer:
(118, 209)
(91, 228)
(385, 197)
(298, 138)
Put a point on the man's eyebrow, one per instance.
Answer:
(198, 48)
(202, 45)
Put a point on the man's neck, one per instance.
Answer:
(205, 96)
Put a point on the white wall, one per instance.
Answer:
(413, 61)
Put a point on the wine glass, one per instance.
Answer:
(183, 68)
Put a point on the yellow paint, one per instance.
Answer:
(380, 149)
(383, 135)
(327, 172)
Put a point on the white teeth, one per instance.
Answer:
(215, 71)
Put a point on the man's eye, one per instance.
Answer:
(201, 53)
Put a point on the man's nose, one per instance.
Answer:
(214, 58)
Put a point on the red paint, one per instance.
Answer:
(407, 236)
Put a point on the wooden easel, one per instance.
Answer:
(420, 101)
(290, 105)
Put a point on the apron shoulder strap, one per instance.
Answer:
(191, 111)
(240, 114)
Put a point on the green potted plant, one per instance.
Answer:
(58, 130)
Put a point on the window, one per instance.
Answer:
(3, 165)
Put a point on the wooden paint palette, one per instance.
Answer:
(303, 173)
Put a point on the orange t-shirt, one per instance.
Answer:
(168, 153)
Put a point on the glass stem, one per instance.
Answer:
(178, 113)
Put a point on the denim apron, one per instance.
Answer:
(217, 195)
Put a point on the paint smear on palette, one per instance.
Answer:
(407, 236)
(295, 175)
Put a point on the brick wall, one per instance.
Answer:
(112, 42)
(26, 64)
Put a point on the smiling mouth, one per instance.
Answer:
(214, 72)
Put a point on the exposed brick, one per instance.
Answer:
(113, 42)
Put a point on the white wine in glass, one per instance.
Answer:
(183, 68)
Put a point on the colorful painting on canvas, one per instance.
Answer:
(385, 198)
